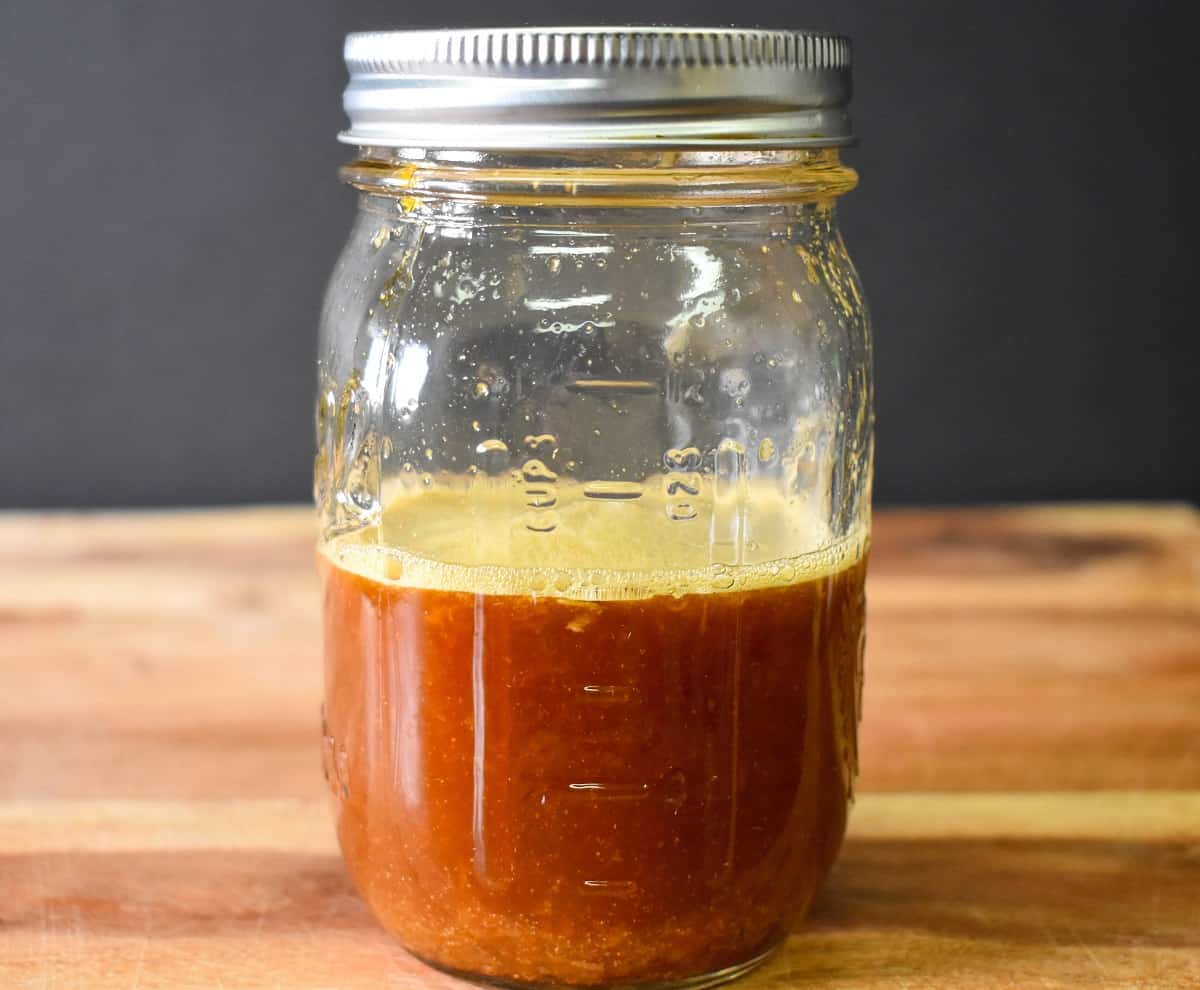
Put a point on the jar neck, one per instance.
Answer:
(658, 178)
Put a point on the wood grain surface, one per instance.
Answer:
(1030, 798)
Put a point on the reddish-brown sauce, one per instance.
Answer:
(556, 791)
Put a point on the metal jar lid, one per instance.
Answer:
(578, 88)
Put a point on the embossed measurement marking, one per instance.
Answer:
(620, 491)
(540, 498)
(632, 386)
(613, 888)
(615, 693)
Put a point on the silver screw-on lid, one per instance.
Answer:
(623, 87)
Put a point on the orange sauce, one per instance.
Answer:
(625, 787)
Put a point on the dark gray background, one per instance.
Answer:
(169, 212)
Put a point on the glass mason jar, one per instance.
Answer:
(594, 441)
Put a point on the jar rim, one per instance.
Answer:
(604, 178)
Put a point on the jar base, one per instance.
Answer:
(698, 982)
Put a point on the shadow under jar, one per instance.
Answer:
(594, 455)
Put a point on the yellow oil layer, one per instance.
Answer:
(488, 543)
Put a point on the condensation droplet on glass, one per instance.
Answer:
(481, 390)
(427, 479)
(766, 450)
(382, 236)
(362, 497)
(796, 297)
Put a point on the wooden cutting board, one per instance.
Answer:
(1029, 810)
